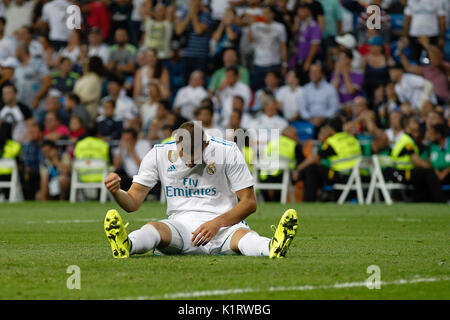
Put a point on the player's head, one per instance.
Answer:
(191, 141)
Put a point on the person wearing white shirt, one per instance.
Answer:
(231, 87)
(7, 44)
(269, 40)
(96, 45)
(411, 88)
(209, 192)
(424, 18)
(54, 14)
(289, 97)
(18, 14)
(270, 119)
(190, 96)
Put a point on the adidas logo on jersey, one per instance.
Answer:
(171, 168)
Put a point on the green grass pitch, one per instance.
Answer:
(410, 243)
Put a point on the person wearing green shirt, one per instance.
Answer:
(438, 153)
(230, 58)
(408, 167)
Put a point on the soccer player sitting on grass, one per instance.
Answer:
(209, 192)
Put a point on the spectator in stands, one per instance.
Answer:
(7, 45)
(270, 119)
(230, 87)
(438, 153)
(96, 45)
(74, 108)
(128, 156)
(333, 21)
(163, 117)
(152, 71)
(122, 55)
(54, 173)
(97, 15)
(72, 50)
(54, 14)
(149, 109)
(53, 128)
(205, 114)
(407, 166)
(424, 18)
(31, 77)
(376, 66)
(410, 88)
(89, 86)
(52, 104)
(25, 35)
(15, 113)
(125, 108)
(158, 28)
(319, 100)
(227, 35)
(18, 14)
(348, 42)
(190, 96)
(196, 27)
(230, 58)
(289, 97)
(31, 157)
(270, 51)
(63, 78)
(436, 72)
(339, 149)
(77, 129)
(347, 83)
(272, 82)
(109, 126)
(308, 33)
(120, 15)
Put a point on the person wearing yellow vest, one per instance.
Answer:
(339, 149)
(92, 148)
(287, 148)
(9, 149)
(406, 166)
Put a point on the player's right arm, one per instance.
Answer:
(130, 200)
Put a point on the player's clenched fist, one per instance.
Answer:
(112, 182)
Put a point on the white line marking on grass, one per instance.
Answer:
(207, 293)
(408, 220)
(86, 221)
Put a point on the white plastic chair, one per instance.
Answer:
(76, 184)
(14, 186)
(353, 182)
(284, 186)
(377, 182)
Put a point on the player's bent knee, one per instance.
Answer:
(164, 232)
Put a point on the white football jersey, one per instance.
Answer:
(204, 191)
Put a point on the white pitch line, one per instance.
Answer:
(86, 221)
(206, 293)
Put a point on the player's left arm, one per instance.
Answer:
(245, 207)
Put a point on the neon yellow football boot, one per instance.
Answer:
(284, 234)
(117, 235)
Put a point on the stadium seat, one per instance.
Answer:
(76, 184)
(305, 130)
(377, 182)
(15, 193)
(285, 186)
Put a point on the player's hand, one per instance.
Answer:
(112, 182)
(203, 234)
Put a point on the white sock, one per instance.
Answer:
(252, 244)
(145, 239)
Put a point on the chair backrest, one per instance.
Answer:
(89, 164)
(8, 163)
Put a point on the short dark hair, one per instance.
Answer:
(203, 107)
(233, 69)
(131, 131)
(10, 84)
(335, 123)
(49, 143)
(440, 129)
(165, 103)
(73, 96)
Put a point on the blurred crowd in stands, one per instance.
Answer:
(355, 81)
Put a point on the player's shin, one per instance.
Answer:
(252, 244)
(144, 240)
